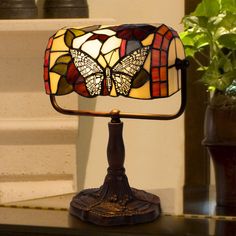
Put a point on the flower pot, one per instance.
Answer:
(18, 9)
(65, 9)
(220, 140)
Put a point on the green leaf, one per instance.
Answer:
(216, 20)
(201, 40)
(190, 51)
(140, 79)
(226, 64)
(219, 32)
(64, 59)
(202, 68)
(207, 8)
(60, 69)
(69, 37)
(203, 23)
(228, 41)
(229, 5)
(64, 87)
(187, 38)
(229, 21)
(190, 21)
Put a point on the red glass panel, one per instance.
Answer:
(46, 73)
(47, 88)
(50, 43)
(157, 41)
(133, 32)
(101, 37)
(163, 73)
(140, 34)
(156, 89)
(164, 89)
(123, 48)
(155, 74)
(105, 90)
(81, 89)
(72, 73)
(165, 44)
(163, 58)
(163, 29)
(46, 58)
(125, 34)
(155, 58)
(169, 35)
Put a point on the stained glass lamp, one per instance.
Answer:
(135, 61)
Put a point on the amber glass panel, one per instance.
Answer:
(164, 89)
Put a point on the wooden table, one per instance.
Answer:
(32, 220)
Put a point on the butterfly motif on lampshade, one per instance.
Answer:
(98, 79)
(135, 61)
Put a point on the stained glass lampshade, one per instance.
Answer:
(135, 61)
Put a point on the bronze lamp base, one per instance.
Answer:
(115, 203)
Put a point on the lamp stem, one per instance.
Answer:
(115, 202)
(116, 186)
(115, 147)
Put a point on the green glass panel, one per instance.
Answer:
(60, 69)
(64, 59)
(69, 37)
(90, 28)
(64, 87)
(77, 32)
(140, 79)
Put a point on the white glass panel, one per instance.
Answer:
(172, 53)
(179, 73)
(77, 42)
(111, 44)
(180, 49)
(92, 47)
(105, 31)
(105, 26)
(173, 80)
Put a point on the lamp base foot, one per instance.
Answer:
(141, 208)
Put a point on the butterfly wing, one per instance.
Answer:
(125, 70)
(90, 70)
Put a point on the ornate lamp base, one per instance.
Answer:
(102, 206)
(115, 203)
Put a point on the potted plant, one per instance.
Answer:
(210, 33)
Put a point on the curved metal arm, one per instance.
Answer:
(115, 114)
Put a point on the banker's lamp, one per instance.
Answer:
(135, 61)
